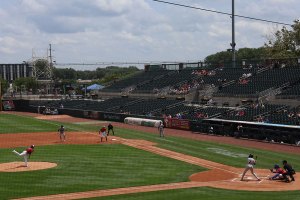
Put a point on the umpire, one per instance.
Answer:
(289, 171)
(110, 128)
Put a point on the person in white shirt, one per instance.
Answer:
(250, 164)
(161, 130)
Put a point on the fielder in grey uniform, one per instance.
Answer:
(161, 130)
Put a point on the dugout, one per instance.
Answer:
(277, 133)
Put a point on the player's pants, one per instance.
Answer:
(103, 134)
(290, 174)
(24, 155)
(251, 170)
(62, 136)
(276, 176)
(112, 130)
(161, 133)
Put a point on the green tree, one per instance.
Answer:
(4, 85)
(284, 43)
(251, 55)
(64, 73)
(27, 83)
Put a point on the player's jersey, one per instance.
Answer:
(29, 150)
(161, 127)
(61, 130)
(251, 162)
(280, 171)
(102, 130)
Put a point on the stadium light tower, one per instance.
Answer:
(232, 44)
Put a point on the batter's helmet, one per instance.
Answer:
(250, 156)
(276, 166)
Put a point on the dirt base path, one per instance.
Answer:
(218, 175)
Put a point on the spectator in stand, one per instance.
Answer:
(240, 113)
(260, 119)
(178, 115)
(239, 131)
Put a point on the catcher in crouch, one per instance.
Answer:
(278, 173)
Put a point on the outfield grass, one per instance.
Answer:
(11, 123)
(90, 167)
(24, 124)
(222, 153)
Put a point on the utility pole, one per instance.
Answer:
(50, 86)
(50, 56)
(233, 37)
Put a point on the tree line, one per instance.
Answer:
(281, 44)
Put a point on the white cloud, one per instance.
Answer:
(132, 30)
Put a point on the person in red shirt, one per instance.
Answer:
(102, 133)
(25, 154)
(278, 172)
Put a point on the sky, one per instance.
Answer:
(132, 31)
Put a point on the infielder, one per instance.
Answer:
(61, 132)
(25, 154)
(102, 133)
(250, 164)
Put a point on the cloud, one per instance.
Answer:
(132, 30)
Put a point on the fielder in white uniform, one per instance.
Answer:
(250, 164)
(161, 130)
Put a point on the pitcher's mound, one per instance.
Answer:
(20, 166)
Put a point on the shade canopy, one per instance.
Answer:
(95, 87)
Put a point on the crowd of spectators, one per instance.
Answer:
(186, 87)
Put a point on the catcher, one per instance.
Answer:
(278, 173)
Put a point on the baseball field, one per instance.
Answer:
(135, 163)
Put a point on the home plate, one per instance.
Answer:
(113, 139)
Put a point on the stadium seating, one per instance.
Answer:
(228, 80)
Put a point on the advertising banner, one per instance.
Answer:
(177, 123)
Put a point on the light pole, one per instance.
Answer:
(232, 44)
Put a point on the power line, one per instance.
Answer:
(125, 63)
(223, 13)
